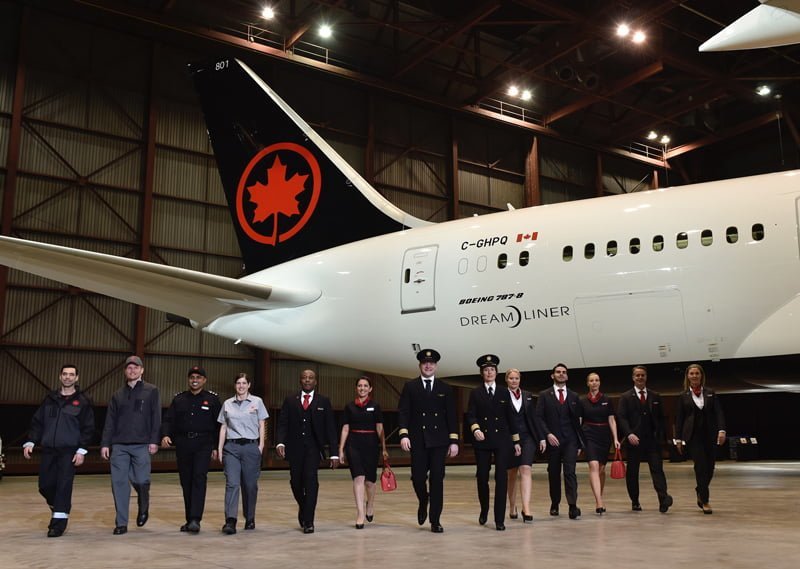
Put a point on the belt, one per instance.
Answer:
(363, 432)
(243, 441)
(195, 435)
(595, 424)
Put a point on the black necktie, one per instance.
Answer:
(491, 392)
(428, 383)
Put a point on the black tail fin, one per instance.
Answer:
(290, 194)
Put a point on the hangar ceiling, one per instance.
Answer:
(587, 85)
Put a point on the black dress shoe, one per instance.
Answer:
(308, 528)
(636, 506)
(707, 509)
(526, 518)
(193, 526)
(230, 526)
(437, 528)
(482, 518)
(370, 517)
(422, 513)
(300, 519)
(119, 530)
(500, 527)
(600, 511)
(359, 526)
(185, 527)
(574, 512)
(250, 524)
(553, 509)
(55, 532)
(513, 514)
(665, 505)
(142, 518)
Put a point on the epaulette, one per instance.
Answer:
(213, 392)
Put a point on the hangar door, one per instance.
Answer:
(417, 280)
(631, 327)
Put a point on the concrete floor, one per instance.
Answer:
(755, 524)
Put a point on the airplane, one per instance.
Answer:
(705, 273)
(772, 24)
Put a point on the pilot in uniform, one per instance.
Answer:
(429, 429)
(490, 415)
(190, 423)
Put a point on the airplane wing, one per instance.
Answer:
(774, 23)
(198, 296)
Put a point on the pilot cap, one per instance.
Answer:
(198, 370)
(489, 360)
(134, 360)
(428, 355)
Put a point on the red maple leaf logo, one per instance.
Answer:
(278, 195)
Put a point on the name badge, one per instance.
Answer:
(370, 408)
(204, 407)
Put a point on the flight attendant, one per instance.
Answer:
(599, 430)
(700, 425)
(524, 404)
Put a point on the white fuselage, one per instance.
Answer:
(442, 286)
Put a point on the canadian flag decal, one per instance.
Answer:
(527, 236)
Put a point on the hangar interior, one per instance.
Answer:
(103, 147)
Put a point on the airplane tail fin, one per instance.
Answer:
(289, 193)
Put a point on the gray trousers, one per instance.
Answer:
(242, 465)
(130, 464)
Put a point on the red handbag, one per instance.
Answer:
(617, 466)
(388, 479)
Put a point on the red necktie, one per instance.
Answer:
(517, 394)
(641, 397)
(306, 397)
(561, 396)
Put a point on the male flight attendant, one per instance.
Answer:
(428, 425)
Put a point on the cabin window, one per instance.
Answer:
(481, 266)
(463, 265)
(588, 251)
(524, 258)
(731, 235)
(567, 254)
(611, 248)
(758, 232)
(635, 246)
(658, 243)
(682, 240)
(502, 261)
(706, 237)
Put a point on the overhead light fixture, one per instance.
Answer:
(267, 13)
(652, 135)
(763, 90)
(623, 30)
(526, 95)
(639, 37)
(513, 91)
(664, 139)
(325, 31)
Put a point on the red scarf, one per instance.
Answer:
(596, 398)
(517, 393)
(359, 403)
(696, 390)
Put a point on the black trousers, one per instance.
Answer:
(427, 477)
(193, 457)
(649, 451)
(483, 459)
(304, 480)
(56, 474)
(566, 455)
(702, 452)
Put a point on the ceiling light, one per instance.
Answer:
(526, 95)
(325, 31)
(763, 90)
(623, 30)
(639, 37)
(652, 135)
(513, 91)
(267, 13)
(664, 139)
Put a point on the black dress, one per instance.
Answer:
(595, 427)
(361, 447)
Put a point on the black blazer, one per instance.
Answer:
(290, 422)
(546, 415)
(494, 416)
(529, 407)
(712, 413)
(427, 419)
(631, 411)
